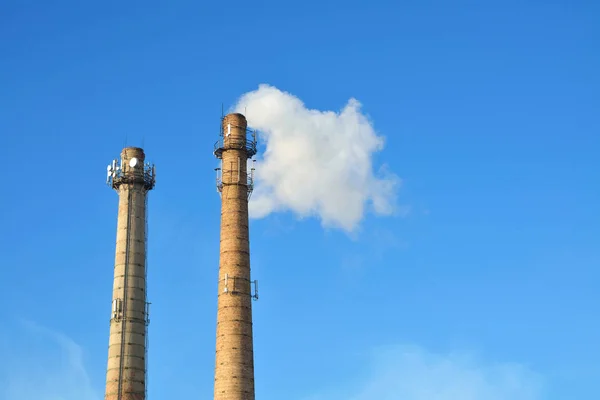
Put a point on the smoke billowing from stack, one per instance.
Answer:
(317, 162)
(234, 366)
(127, 361)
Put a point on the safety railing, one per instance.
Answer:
(248, 145)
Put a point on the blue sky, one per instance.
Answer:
(482, 285)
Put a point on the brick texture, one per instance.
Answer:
(126, 369)
(234, 367)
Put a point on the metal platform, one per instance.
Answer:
(249, 146)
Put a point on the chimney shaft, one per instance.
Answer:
(126, 370)
(234, 367)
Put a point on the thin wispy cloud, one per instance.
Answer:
(375, 245)
(412, 373)
(317, 163)
(44, 365)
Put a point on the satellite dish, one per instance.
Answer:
(133, 162)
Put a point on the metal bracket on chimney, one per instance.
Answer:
(117, 309)
(229, 286)
(255, 295)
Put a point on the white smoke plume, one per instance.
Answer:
(316, 163)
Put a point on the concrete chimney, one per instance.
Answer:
(132, 178)
(234, 366)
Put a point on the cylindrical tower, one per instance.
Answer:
(126, 371)
(234, 367)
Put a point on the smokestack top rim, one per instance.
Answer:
(237, 114)
(238, 117)
(133, 152)
(133, 148)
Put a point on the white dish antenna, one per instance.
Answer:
(133, 162)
